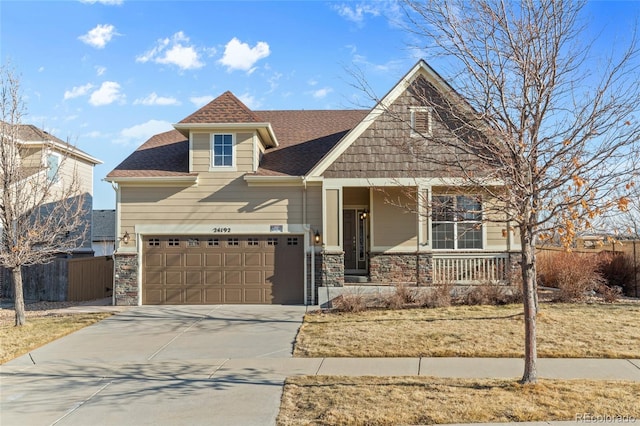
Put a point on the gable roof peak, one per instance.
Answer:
(226, 108)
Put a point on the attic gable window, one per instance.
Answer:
(420, 121)
(222, 151)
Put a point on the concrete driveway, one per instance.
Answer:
(177, 365)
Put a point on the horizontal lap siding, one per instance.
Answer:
(218, 197)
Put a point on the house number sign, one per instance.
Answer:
(221, 229)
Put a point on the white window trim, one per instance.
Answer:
(233, 166)
(58, 175)
(455, 226)
(429, 112)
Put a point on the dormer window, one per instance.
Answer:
(222, 151)
(420, 121)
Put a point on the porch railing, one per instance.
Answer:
(470, 268)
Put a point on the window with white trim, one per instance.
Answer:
(53, 167)
(456, 222)
(420, 121)
(222, 151)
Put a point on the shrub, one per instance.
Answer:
(574, 274)
(492, 293)
(618, 270)
(438, 296)
(349, 302)
(610, 294)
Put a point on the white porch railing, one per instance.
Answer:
(470, 268)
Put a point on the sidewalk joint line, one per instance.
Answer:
(419, 365)
(174, 338)
(32, 360)
(218, 368)
(320, 366)
(633, 363)
(71, 410)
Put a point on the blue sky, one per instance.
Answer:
(108, 74)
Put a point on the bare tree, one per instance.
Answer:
(539, 123)
(42, 211)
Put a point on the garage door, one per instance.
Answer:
(223, 269)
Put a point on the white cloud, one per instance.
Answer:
(174, 51)
(154, 99)
(321, 93)
(239, 56)
(93, 135)
(40, 69)
(77, 91)
(358, 12)
(250, 101)
(106, 2)
(99, 36)
(200, 101)
(108, 93)
(141, 132)
(100, 70)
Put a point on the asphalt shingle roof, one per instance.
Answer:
(304, 138)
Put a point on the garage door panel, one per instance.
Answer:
(193, 278)
(232, 278)
(232, 259)
(213, 259)
(232, 295)
(194, 296)
(253, 277)
(193, 260)
(226, 269)
(173, 296)
(213, 278)
(254, 295)
(153, 259)
(173, 260)
(253, 259)
(173, 277)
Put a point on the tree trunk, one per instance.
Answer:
(530, 308)
(16, 279)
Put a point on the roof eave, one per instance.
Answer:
(153, 179)
(65, 148)
(268, 134)
(255, 180)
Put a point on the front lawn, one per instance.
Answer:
(331, 400)
(564, 331)
(39, 331)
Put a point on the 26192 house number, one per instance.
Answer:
(221, 229)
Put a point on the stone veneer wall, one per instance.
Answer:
(401, 268)
(126, 280)
(332, 269)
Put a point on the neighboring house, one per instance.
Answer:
(38, 148)
(103, 232)
(242, 206)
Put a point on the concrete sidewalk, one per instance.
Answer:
(212, 365)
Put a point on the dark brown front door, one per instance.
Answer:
(349, 242)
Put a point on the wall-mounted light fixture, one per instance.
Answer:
(316, 237)
(125, 238)
(363, 214)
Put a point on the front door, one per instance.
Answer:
(354, 241)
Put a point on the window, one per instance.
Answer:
(53, 165)
(193, 242)
(154, 242)
(272, 241)
(252, 241)
(292, 241)
(174, 242)
(456, 222)
(232, 242)
(420, 121)
(213, 242)
(222, 151)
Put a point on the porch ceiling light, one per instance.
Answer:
(316, 237)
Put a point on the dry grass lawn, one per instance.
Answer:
(39, 331)
(331, 400)
(564, 330)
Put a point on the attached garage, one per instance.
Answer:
(221, 269)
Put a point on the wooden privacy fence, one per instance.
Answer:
(90, 278)
(63, 279)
